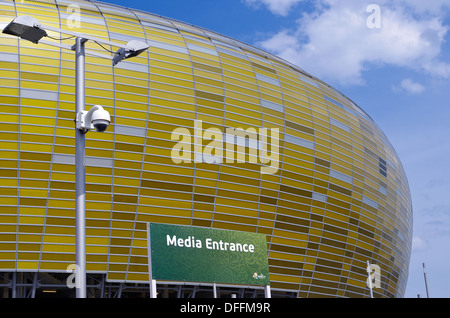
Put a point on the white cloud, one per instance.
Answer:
(279, 7)
(430, 6)
(409, 86)
(335, 43)
(418, 244)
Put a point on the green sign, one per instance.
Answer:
(197, 254)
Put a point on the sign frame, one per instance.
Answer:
(212, 258)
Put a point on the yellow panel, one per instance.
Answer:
(166, 203)
(228, 63)
(244, 98)
(163, 52)
(9, 82)
(58, 248)
(238, 73)
(35, 147)
(174, 76)
(283, 256)
(164, 36)
(167, 62)
(171, 111)
(204, 76)
(33, 120)
(31, 220)
(182, 89)
(8, 145)
(242, 87)
(124, 181)
(210, 89)
(27, 265)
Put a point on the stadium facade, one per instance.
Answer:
(335, 198)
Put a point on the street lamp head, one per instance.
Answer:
(134, 48)
(25, 27)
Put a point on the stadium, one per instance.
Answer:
(295, 160)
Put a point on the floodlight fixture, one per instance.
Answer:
(133, 48)
(26, 27)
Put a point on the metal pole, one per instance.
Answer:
(267, 292)
(33, 290)
(80, 186)
(14, 287)
(152, 281)
(153, 293)
(369, 279)
(425, 276)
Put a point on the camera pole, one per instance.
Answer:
(80, 185)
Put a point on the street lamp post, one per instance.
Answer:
(80, 172)
(97, 118)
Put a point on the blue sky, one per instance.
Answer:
(398, 71)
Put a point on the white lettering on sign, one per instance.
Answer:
(220, 245)
(188, 242)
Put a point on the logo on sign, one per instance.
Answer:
(258, 276)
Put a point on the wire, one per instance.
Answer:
(71, 37)
(104, 47)
(60, 39)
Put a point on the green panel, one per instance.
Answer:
(197, 254)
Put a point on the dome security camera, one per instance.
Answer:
(96, 118)
(100, 120)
